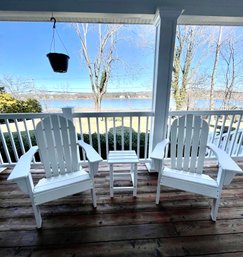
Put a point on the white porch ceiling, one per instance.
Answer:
(209, 12)
(78, 17)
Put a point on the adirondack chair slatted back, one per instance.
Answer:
(188, 143)
(56, 139)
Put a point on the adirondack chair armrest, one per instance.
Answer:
(21, 172)
(228, 165)
(224, 159)
(93, 157)
(91, 154)
(22, 168)
(159, 150)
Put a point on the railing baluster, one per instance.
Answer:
(98, 135)
(146, 139)
(19, 136)
(236, 136)
(222, 130)
(81, 137)
(130, 134)
(12, 140)
(239, 147)
(81, 128)
(27, 133)
(114, 132)
(5, 147)
(106, 138)
(209, 119)
(215, 129)
(167, 135)
(90, 134)
(28, 137)
(33, 123)
(122, 133)
(138, 138)
(214, 133)
(229, 133)
(1, 159)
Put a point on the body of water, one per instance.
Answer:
(107, 104)
(125, 104)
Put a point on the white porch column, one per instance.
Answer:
(165, 22)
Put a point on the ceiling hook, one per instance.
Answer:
(54, 24)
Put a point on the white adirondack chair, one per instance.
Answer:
(58, 148)
(188, 143)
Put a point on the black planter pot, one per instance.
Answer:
(59, 62)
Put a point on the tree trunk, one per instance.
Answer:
(211, 99)
(97, 100)
(175, 82)
(100, 67)
(182, 66)
(230, 74)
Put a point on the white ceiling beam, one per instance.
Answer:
(77, 17)
(210, 20)
(115, 18)
(206, 12)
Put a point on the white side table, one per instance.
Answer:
(116, 157)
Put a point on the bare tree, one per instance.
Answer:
(229, 74)
(188, 39)
(99, 67)
(215, 64)
(18, 87)
(232, 66)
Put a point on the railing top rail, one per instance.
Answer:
(119, 114)
(111, 114)
(24, 115)
(207, 112)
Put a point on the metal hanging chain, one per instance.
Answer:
(62, 42)
(53, 43)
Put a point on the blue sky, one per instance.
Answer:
(24, 46)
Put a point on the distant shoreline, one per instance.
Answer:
(51, 95)
(79, 96)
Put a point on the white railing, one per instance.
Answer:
(17, 135)
(225, 128)
(104, 131)
(115, 131)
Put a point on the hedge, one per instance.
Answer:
(86, 139)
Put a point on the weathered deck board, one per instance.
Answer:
(123, 226)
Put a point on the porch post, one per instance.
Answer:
(165, 22)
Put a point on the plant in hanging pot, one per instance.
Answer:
(58, 61)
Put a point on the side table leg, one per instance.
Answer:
(111, 181)
(135, 179)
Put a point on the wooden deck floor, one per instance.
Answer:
(123, 226)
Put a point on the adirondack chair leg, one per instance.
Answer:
(93, 197)
(215, 207)
(158, 188)
(37, 214)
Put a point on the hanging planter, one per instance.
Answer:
(58, 61)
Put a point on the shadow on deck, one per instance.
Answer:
(122, 226)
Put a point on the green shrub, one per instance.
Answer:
(17, 145)
(118, 141)
(9, 104)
